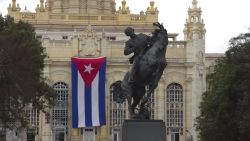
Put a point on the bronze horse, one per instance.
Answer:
(148, 73)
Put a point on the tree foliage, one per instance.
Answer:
(225, 107)
(21, 66)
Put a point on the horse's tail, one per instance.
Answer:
(116, 89)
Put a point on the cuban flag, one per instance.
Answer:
(88, 91)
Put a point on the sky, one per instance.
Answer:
(223, 19)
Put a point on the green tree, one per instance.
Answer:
(21, 66)
(225, 107)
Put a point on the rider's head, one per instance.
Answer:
(129, 31)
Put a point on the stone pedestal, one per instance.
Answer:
(143, 130)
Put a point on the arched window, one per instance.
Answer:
(192, 19)
(198, 18)
(59, 113)
(174, 110)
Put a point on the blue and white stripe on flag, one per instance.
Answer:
(88, 91)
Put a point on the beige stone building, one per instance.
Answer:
(92, 28)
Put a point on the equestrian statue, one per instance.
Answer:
(148, 64)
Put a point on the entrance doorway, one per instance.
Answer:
(89, 134)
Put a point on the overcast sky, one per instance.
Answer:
(223, 18)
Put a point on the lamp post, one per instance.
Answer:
(190, 137)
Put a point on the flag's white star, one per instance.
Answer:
(88, 68)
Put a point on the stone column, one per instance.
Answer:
(160, 101)
(103, 133)
(45, 131)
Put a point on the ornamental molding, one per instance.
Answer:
(89, 43)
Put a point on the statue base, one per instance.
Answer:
(143, 130)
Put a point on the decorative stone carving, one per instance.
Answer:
(89, 43)
(152, 9)
(201, 57)
(124, 9)
(200, 69)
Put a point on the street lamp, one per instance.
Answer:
(190, 137)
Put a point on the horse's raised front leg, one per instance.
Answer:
(144, 111)
(130, 108)
(134, 104)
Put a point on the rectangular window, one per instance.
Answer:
(89, 134)
(65, 37)
(112, 38)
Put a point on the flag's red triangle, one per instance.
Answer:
(88, 68)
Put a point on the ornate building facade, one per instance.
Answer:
(92, 28)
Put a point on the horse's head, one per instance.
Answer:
(157, 24)
(161, 33)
